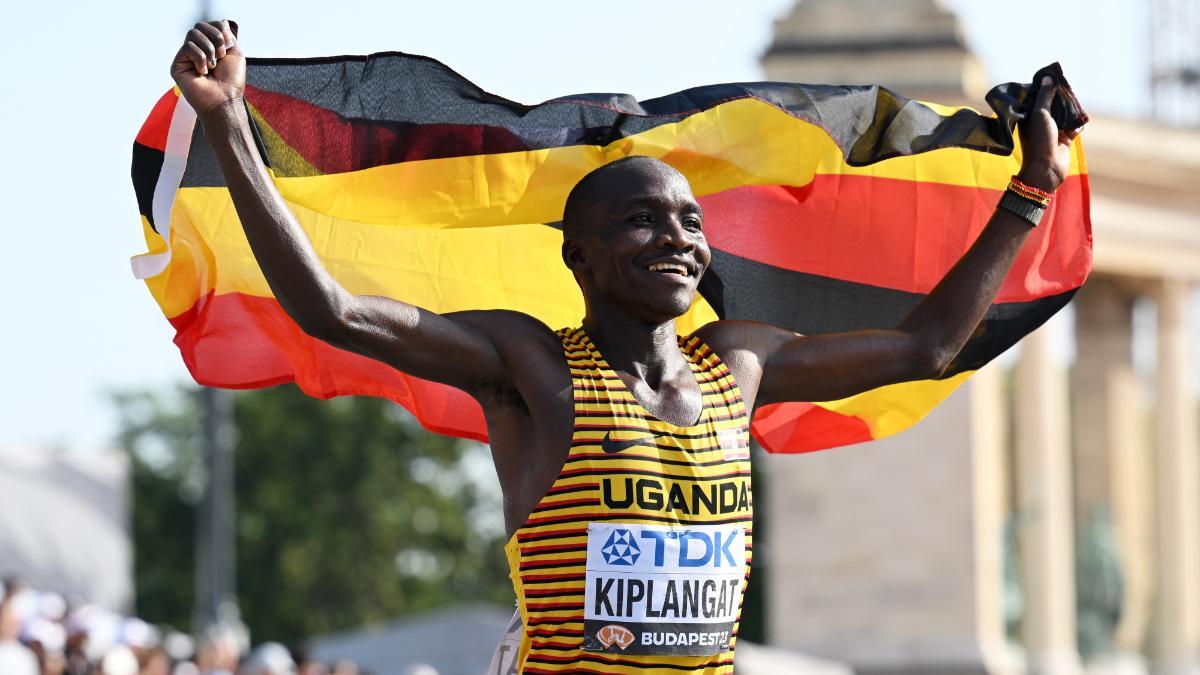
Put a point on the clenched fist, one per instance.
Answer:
(1046, 148)
(210, 68)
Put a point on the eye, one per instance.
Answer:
(641, 217)
(692, 223)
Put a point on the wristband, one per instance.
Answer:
(1023, 207)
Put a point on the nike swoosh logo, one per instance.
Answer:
(610, 446)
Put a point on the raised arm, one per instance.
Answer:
(786, 366)
(210, 70)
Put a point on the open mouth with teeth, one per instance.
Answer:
(670, 268)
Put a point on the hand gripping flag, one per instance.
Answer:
(828, 208)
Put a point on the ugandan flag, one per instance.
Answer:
(828, 208)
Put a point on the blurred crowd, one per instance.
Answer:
(46, 634)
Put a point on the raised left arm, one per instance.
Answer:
(787, 366)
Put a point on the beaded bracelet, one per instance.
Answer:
(1025, 201)
(1029, 192)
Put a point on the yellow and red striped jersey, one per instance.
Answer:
(638, 555)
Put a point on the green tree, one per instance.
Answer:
(347, 512)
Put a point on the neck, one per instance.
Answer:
(648, 351)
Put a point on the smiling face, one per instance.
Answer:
(633, 236)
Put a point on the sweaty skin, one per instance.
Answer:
(632, 215)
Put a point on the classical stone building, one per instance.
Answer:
(955, 547)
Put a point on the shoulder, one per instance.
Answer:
(744, 347)
(740, 340)
(531, 351)
(509, 330)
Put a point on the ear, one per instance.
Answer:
(572, 255)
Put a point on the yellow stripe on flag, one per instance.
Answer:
(896, 407)
(517, 267)
(717, 149)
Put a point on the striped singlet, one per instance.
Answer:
(636, 559)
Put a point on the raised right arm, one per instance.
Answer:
(210, 71)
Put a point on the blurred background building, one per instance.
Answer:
(53, 505)
(1045, 518)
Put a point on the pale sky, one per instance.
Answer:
(79, 78)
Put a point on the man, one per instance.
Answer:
(620, 447)
(15, 658)
(218, 651)
(269, 658)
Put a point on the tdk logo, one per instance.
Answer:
(696, 549)
(673, 548)
(620, 549)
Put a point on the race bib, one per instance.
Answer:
(504, 659)
(655, 590)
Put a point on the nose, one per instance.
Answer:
(674, 235)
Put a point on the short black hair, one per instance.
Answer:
(583, 195)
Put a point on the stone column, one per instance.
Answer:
(887, 556)
(1178, 596)
(1046, 532)
(990, 479)
(1113, 485)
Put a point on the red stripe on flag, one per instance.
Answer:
(246, 342)
(897, 234)
(153, 133)
(333, 144)
(804, 427)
